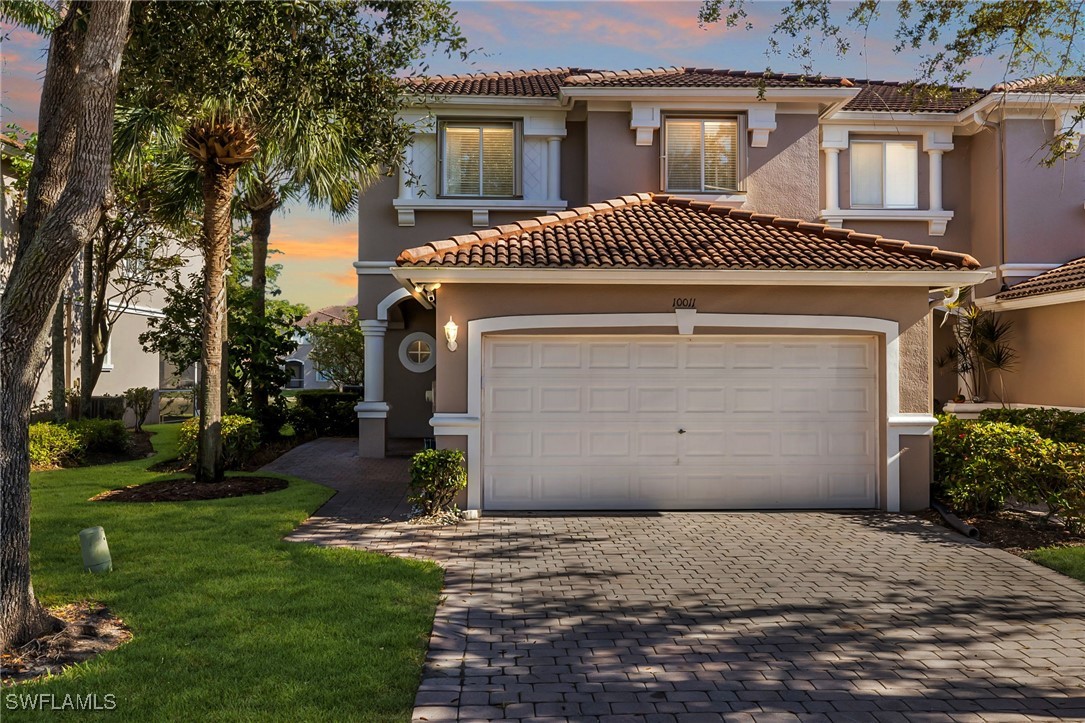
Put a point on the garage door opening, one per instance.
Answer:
(590, 422)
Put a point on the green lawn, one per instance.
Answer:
(230, 623)
(1067, 560)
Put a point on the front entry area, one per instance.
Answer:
(600, 422)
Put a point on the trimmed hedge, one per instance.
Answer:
(67, 444)
(979, 466)
(324, 413)
(437, 476)
(240, 438)
(1057, 425)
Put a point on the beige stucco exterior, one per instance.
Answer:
(1051, 343)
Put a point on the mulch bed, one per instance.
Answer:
(90, 630)
(1018, 531)
(186, 490)
(265, 454)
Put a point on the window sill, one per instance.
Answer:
(724, 199)
(480, 207)
(936, 220)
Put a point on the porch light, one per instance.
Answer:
(451, 332)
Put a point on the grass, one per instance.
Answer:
(1067, 560)
(230, 623)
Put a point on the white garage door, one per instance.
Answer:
(704, 422)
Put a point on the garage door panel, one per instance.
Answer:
(774, 422)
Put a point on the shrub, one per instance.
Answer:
(981, 465)
(324, 413)
(101, 436)
(240, 438)
(437, 475)
(52, 445)
(1055, 424)
(139, 400)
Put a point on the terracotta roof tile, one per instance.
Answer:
(542, 83)
(886, 96)
(1068, 277)
(1042, 84)
(666, 232)
(701, 78)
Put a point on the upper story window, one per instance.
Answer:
(884, 174)
(480, 159)
(702, 155)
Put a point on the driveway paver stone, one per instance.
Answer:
(790, 616)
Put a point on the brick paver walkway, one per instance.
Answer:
(735, 616)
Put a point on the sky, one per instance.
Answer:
(316, 251)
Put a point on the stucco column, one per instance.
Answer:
(832, 179)
(372, 411)
(935, 156)
(553, 167)
(406, 188)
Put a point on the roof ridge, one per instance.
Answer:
(435, 249)
(629, 73)
(490, 74)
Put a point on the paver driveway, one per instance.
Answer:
(698, 616)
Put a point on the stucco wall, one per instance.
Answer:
(1051, 343)
(907, 306)
(1045, 220)
(783, 176)
(616, 165)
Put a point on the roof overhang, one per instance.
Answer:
(415, 278)
(992, 303)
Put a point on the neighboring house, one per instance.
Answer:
(303, 374)
(126, 365)
(704, 289)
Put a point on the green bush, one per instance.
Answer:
(437, 475)
(324, 413)
(53, 445)
(979, 466)
(1057, 425)
(240, 438)
(139, 400)
(101, 436)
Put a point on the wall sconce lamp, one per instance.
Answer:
(451, 332)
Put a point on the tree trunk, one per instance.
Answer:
(261, 232)
(86, 333)
(36, 276)
(218, 190)
(57, 362)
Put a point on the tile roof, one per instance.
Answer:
(337, 313)
(655, 231)
(902, 98)
(543, 83)
(1068, 277)
(1042, 84)
(701, 78)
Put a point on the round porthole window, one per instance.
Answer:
(418, 352)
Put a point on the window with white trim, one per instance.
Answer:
(417, 352)
(702, 155)
(884, 174)
(480, 159)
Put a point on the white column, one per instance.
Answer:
(553, 167)
(935, 156)
(406, 189)
(373, 333)
(832, 179)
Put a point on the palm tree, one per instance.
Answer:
(323, 167)
(981, 345)
(225, 80)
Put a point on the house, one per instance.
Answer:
(692, 288)
(303, 374)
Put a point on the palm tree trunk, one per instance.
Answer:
(39, 269)
(261, 232)
(218, 190)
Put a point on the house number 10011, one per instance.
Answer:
(687, 302)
